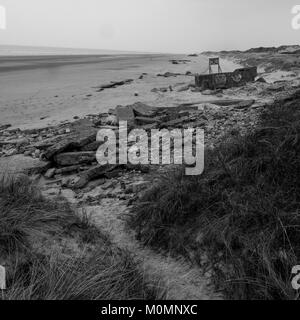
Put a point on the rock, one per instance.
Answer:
(65, 182)
(108, 120)
(113, 174)
(37, 153)
(4, 126)
(11, 152)
(244, 104)
(69, 169)
(207, 92)
(143, 110)
(137, 167)
(27, 153)
(174, 123)
(125, 114)
(92, 174)
(261, 79)
(92, 146)
(168, 74)
(73, 158)
(137, 187)
(136, 94)
(18, 142)
(73, 141)
(50, 173)
(184, 88)
(145, 120)
(20, 164)
(114, 84)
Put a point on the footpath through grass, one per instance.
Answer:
(51, 254)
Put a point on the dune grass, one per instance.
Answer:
(100, 272)
(243, 211)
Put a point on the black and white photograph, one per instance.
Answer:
(149, 152)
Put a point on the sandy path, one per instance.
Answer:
(182, 281)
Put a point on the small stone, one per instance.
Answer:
(27, 153)
(37, 153)
(50, 173)
(261, 79)
(11, 152)
(65, 182)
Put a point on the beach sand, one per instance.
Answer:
(40, 91)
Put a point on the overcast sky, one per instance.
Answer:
(150, 25)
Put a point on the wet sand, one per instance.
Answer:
(39, 91)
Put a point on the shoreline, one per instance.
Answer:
(52, 95)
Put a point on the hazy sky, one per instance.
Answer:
(150, 25)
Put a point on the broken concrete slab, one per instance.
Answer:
(174, 123)
(145, 120)
(92, 146)
(72, 141)
(20, 164)
(244, 104)
(17, 142)
(73, 158)
(67, 170)
(221, 103)
(92, 174)
(143, 110)
(125, 114)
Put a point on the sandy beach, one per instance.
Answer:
(40, 91)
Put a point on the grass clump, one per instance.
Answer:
(244, 209)
(33, 233)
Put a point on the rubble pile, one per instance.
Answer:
(70, 149)
(64, 156)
